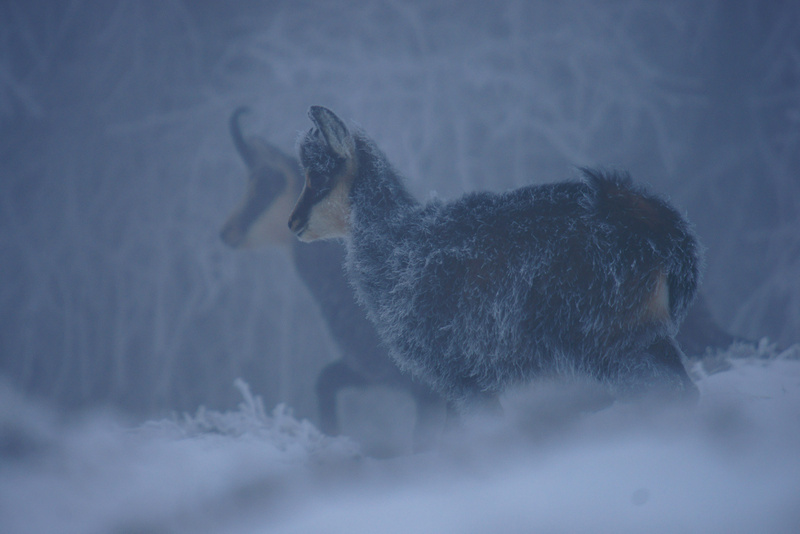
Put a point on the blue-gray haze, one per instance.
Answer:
(116, 168)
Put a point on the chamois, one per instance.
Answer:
(273, 184)
(591, 277)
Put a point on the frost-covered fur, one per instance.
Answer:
(492, 289)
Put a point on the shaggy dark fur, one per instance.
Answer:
(492, 289)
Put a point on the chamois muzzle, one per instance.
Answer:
(298, 224)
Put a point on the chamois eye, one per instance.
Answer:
(318, 180)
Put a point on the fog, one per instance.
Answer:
(121, 310)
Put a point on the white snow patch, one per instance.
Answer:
(730, 464)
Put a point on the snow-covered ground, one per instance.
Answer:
(730, 464)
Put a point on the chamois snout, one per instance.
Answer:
(232, 234)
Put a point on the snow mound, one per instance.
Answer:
(557, 461)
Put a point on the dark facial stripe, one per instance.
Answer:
(302, 211)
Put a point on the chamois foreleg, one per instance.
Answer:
(332, 379)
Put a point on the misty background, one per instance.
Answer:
(117, 169)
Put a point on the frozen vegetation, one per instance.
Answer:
(120, 305)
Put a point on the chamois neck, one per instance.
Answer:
(378, 194)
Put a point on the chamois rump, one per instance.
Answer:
(588, 277)
(274, 181)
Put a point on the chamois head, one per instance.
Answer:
(328, 158)
(273, 183)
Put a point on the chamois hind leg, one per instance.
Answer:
(333, 378)
(661, 373)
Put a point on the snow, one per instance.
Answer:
(729, 464)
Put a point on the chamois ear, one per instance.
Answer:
(336, 134)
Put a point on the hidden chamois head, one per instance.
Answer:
(328, 159)
(273, 183)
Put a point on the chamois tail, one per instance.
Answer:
(655, 227)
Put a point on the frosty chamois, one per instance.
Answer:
(589, 277)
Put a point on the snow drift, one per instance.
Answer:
(552, 463)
